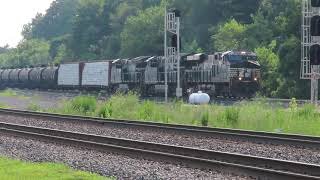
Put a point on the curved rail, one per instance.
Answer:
(243, 164)
(241, 135)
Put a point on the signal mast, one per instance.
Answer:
(310, 45)
(172, 53)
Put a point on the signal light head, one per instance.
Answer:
(315, 26)
(315, 54)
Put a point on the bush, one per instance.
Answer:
(84, 104)
(105, 110)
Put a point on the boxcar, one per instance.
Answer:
(69, 75)
(96, 74)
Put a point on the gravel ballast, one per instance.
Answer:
(283, 152)
(106, 164)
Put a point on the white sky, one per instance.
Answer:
(14, 14)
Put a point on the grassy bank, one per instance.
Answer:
(258, 116)
(11, 93)
(16, 170)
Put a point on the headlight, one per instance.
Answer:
(240, 78)
(256, 79)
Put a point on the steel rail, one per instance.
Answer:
(240, 135)
(265, 168)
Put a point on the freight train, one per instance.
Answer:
(230, 73)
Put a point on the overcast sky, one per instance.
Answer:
(14, 14)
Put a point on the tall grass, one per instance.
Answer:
(8, 93)
(81, 105)
(258, 115)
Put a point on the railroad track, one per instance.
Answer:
(262, 168)
(239, 135)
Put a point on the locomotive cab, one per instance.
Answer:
(244, 72)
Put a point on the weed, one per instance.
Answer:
(293, 105)
(105, 110)
(232, 116)
(33, 107)
(84, 104)
(307, 111)
(146, 110)
(205, 118)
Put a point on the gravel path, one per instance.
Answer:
(107, 164)
(263, 150)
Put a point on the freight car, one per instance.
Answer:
(229, 73)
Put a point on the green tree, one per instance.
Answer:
(57, 21)
(88, 29)
(229, 36)
(33, 52)
(269, 69)
(143, 34)
(29, 52)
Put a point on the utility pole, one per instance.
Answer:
(172, 53)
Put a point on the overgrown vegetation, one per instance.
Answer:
(12, 93)
(257, 115)
(33, 107)
(8, 93)
(16, 170)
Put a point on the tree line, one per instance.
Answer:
(73, 30)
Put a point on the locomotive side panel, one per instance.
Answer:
(116, 75)
(96, 74)
(69, 75)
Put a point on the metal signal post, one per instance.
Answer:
(314, 87)
(172, 53)
(165, 57)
